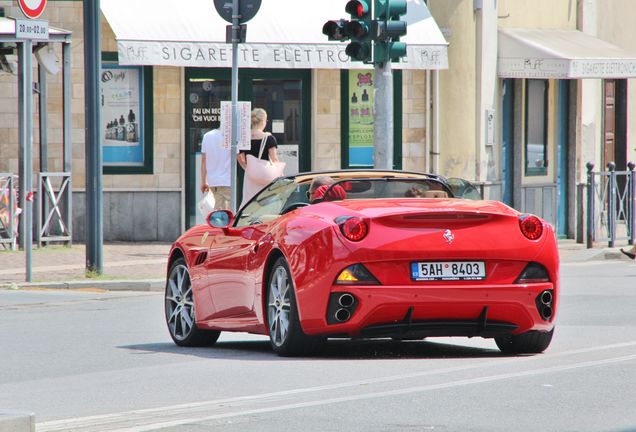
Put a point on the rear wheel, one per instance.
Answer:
(285, 334)
(532, 342)
(179, 305)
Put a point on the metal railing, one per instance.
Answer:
(8, 213)
(54, 211)
(610, 204)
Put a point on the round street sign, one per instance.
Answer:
(32, 8)
(247, 9)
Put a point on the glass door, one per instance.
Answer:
(284, 94)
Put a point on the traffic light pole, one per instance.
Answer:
(383, 106)
(236, 28)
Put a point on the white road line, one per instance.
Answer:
(354, 398)
(148, 414)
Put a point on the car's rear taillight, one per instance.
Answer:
(356, 274)
(531, 226)
(533, 273)
(353, 227)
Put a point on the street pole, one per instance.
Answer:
(383, 106)
(26, 153)
(236, 29)
(93, 144)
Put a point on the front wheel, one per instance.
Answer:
(532, 342)
(285, 334)
(179, 304)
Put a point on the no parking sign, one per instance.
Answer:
(32, 8)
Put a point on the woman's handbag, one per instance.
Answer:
(261, 171)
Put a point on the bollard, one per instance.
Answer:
(590, 205)
(631, 202)
(611, 204)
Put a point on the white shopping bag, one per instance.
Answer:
(206, 205)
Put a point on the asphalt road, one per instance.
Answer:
(97, 361)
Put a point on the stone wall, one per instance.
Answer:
(326, 120)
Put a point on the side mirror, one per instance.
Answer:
(220, 219)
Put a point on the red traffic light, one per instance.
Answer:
(357, 8)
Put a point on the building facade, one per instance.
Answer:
(524, 135)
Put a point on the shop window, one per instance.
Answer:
(126, 117)
(358, 118)
(536, 127)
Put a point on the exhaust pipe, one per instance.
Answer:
(342, 315)
(546, 298)
(546, 312)
(346, 300)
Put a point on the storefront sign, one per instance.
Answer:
(361, 117)
(543, 68)
(122, 115)
(288, 56)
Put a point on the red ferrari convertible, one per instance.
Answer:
(369, 254)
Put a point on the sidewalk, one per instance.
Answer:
(142, 266)
(130, 266)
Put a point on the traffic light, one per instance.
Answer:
(335, 30)
(388, 28)
(359, 30)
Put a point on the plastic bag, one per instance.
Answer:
(207, 203)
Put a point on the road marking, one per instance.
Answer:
(355, 398)
(145, 415)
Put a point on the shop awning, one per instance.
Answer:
(560, 54)
(283, 34)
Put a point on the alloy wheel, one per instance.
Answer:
(179, 303)
(279, 306)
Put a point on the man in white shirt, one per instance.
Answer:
(215, 168)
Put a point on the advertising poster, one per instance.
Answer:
(122, 115)
(361, 117)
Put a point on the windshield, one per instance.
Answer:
(271, 201)
(285, 194)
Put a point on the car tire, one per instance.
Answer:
(285, 333)
(532, 342)
(179, 308)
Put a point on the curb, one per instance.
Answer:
(110, 285)
(594, 254)
(17, 422)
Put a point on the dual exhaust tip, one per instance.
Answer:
(341, 307)
(544, 304)
(346, 301)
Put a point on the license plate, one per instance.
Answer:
(448, 270)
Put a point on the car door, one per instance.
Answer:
(228, 283)
(233, 276)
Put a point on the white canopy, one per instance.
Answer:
(560, 54)
(283, 34)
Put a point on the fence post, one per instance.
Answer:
(631, 202)
(611, 204)
(590, 205)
